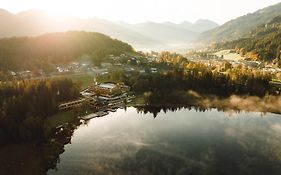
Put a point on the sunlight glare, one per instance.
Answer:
(65, 8)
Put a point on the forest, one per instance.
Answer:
(47, 51)
(171, 85)
(26, 104)
(263, 43)
(172, 88)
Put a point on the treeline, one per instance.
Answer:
(42, 52)
(187, 75)
(173, 86)
(26, 104)
(264, 43)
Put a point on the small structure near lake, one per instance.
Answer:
(98, 95)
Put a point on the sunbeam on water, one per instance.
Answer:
(181, 142)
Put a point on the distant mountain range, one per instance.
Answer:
(142, 35)
(240, 27)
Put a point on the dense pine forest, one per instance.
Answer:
(170, 86)
(42, 52)
(25, 105)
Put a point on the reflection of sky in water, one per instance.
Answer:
(182, 142)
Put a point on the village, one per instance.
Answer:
(129, 63)
(147, 63)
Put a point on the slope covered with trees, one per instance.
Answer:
(241, 26)
(20, 53)
(264, 42)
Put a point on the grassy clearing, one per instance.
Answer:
(227, 55)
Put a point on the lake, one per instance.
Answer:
(175, 142)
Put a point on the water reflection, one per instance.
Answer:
(36, 158)
(181, 142)
(155, 140)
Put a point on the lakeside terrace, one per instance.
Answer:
(98, 95)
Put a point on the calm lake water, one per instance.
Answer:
(180, 142)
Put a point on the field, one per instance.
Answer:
(227, 55)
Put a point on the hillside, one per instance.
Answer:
(202, 25)
(241, 26)
(171, 33)
(165, 33)
(263, 43)
(20, 53)
(144, 35)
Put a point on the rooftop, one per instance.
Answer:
(107, 85)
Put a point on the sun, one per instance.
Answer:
(67, 8)
(58, 10)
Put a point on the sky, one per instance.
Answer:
(136, 11)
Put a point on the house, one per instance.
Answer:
(153, 70)
(106, 65)
(112, 100)
(107, 89)
(25, 74)
(123, 87)
(13, 73)
(151, 59)
(117, 64)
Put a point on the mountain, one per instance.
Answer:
(203, 25)
(45, 51)
(142, 35)
(262, 43)
(241, 26)
(166, 33)
(172, 33)
(187, 25)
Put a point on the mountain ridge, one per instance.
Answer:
(152, 35)
(262, 43)
(241, 26)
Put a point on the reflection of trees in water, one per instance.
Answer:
(36, 158)
(155, 110)
(154, 103)
(227, 148)
(55, 147)
(203, 157)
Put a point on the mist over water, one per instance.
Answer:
(237, 103)
(180, 142)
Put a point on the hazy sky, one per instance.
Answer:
(135, 11)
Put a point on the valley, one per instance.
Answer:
(100, 96)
